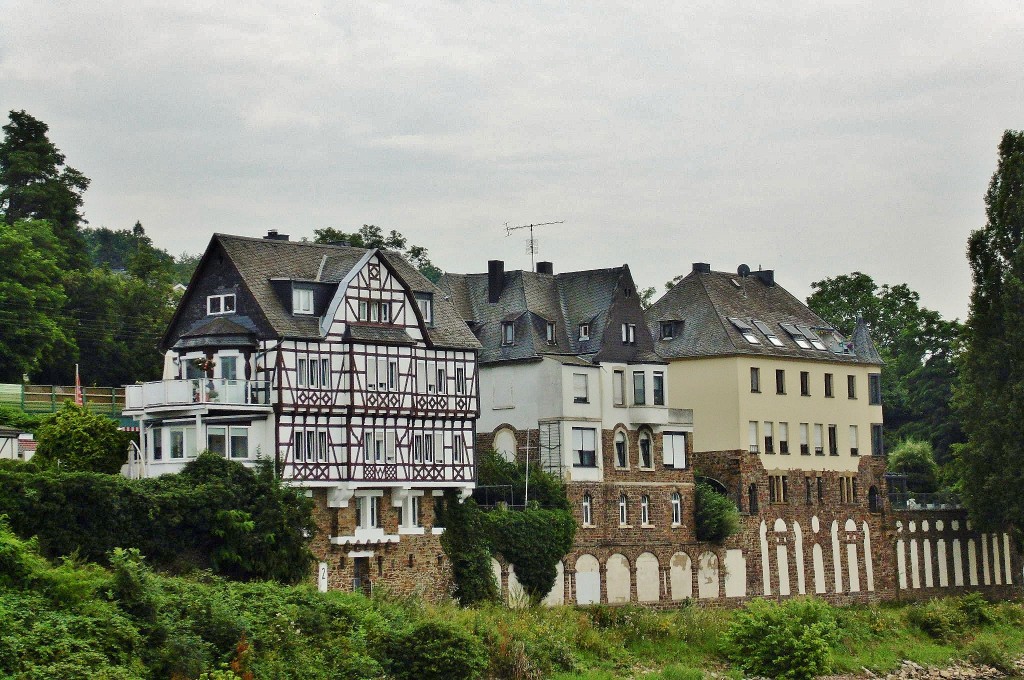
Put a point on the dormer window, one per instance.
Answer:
(768, 333)
(584, 331)
(302, 300)
(668, 330)
(550, 333)
(425, 301)
(746, 330)
(629, 334)
(220, 304)
(797, 334)
(508, 333)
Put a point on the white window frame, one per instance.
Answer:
(460, 380)
(302, 300)
(619, 388)
(674, 449)
(645, 510)
(550, 333)
(677, 509)
(588, 509)
(233, 432)
(629, 334)
(425, 302)
(508, 333)
(222, 304)
(580, 388)
(621, 438)
(584, 331)
(581, 437)
(623, 510)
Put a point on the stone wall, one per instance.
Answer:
(414, 564)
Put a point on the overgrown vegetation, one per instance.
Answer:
(75, 620)
(533, 539)
(216, 514)
(717, 517)
(914, 458)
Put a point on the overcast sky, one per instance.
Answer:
(813, 138)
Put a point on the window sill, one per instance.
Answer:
(625, 526)
(411, 531)
(437, 531)
(676, 525)
(588, 526)
(647, 526)
(581, 401)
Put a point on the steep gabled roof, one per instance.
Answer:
(260, 261)
(531, 300)
(712, 311)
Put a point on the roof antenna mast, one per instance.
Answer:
(531, 245)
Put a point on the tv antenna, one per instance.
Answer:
(532, 243)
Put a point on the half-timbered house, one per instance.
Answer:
(347, 369)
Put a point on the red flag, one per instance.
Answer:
(78, 388)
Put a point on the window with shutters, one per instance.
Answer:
(580, 394)
(674, 449)
(584, 443)
(619, 388)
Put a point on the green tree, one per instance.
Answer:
(917, 345)
(184, 266)
(371, 236)
(129, 250)
(35, 184)
(30, 328)
(914, 458)
(77, 440)
(717, 517)
(990, 393)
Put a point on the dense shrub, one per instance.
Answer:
(915, 459)
(13, 417)
(789, 640)
(533, 540)
(434, 650)
(946, 619)
(716, 515)
(77, 440)
(215, 514)
(465, 542)
(545, 489)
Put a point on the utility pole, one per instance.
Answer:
(532, 243)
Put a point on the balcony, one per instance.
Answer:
(198, 391)
(645, 414)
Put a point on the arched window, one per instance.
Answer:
(645, 510)
(623, 516)
(752, 499)
(587, 510)
(621, 455)
(677, 508)
(873, 504)
(646, 461)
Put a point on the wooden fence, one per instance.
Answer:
(49, 398)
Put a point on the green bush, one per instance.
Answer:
(215, 514)
(915, 459)
(465, 542)
(789, 640)
(988, 652)
(941, 619)
(533, 540)
(434, 650)
(717, 517)
(11, 416)
(77, 440)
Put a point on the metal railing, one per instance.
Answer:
(198, 391)
(940, 500)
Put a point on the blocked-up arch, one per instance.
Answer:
(648, 578)
(505, 443)
(681, 576)
(556, 595)
(619, 582)
(707, 575)
(588, 580)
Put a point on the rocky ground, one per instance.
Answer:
(961, 670)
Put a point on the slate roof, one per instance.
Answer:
(703, 303)
(530, 300)
(260, 260)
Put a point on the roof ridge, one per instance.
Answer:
(275, 242)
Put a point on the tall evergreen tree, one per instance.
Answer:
(991, 390)
(35, 184)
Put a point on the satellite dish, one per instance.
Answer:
(743, 270)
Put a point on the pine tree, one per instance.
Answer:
(35, 184)
(991, 391)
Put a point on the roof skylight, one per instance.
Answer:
(772, 337)
(746, 330)
(798, 337)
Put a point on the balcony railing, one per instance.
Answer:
(198, 391)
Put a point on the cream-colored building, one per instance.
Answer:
(764, 374)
